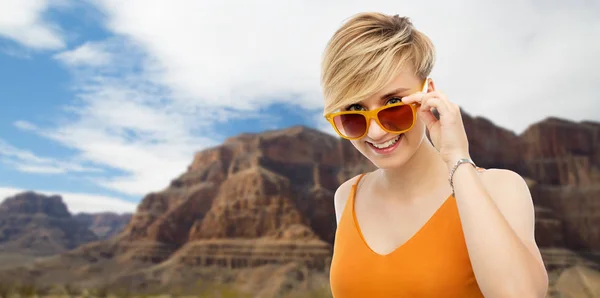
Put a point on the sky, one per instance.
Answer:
(105, 101)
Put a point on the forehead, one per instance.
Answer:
(402, 83)
(404, 80)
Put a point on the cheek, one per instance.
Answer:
(417, 132)
(357, 144)
(361, 146)
(419, 128)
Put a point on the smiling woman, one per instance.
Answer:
(428, 222)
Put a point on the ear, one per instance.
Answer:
(430, 85)
(430, 88)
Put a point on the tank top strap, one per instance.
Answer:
(355, 185)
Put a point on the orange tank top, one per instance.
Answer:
(432, 263)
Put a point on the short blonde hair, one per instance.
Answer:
(367, 52)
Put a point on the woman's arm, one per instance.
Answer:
(496, 210)
(497, 217)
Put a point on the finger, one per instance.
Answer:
(437, 103)
(428, 118)
(419, 97)
(453, 112)
(452, 106)
(414, 98)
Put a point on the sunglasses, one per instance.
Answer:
(394, 118)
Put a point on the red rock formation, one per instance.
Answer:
(31, 203)
(251, 203)
(39, 225)
(563, 158)
(268, 198)
(104, 224)
(168, 216)
(252, 186)
(578, 208)
(492, 146)
(549, 229)
(560, 152)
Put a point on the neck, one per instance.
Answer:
(423, 173)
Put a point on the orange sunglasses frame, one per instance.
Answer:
(373, 115)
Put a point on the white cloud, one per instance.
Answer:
(22, 21)
(122, 120)
(92, 54)
(80, 202)
(24, 125)
(153, 94)
(514, 62)
(26, 161)
(150, 144)
(15, 52)
(39, 169)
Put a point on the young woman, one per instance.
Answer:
(428, 222)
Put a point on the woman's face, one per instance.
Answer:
(386, 150)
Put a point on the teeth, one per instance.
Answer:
(387, 144)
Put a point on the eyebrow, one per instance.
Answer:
(394, 92)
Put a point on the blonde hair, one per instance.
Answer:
(367, 52)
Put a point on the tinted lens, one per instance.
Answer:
(396, 118)
(350, 125)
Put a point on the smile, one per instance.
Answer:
(386, 147)
(388, 143)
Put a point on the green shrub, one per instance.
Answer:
(123, 292)
(5, 290)
(323, 292)
(26, 290)
(99, 292)
(218, 291)
(71, 290)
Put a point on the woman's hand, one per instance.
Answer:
(448, 133)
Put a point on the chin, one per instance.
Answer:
(394, 156)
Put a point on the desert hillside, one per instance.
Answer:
(256, 212)
(104, 224)
(34, 225)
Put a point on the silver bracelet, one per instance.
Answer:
(458, 163)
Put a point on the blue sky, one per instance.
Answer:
(104, 101)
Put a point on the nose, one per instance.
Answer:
(375, 132)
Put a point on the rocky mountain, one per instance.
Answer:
(564, 159)
(259, 208)
(39, 225)
(104, 224)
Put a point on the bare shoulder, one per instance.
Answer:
(511, 194)
(502, 182)
(341, 196)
